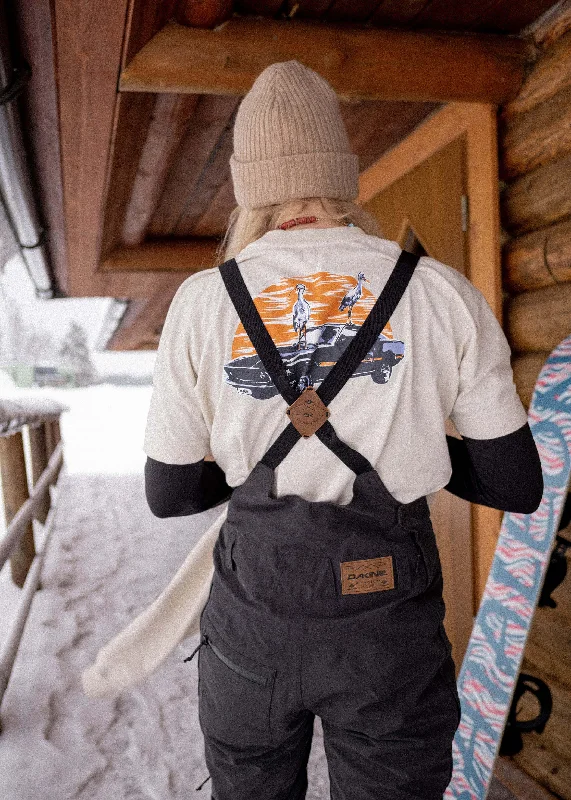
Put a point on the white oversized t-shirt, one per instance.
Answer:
(455, 363)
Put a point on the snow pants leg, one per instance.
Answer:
(389, 715)
(257, 735)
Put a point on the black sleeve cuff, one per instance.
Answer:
(178, 490)
(503, 473)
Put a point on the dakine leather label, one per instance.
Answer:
(368, 575)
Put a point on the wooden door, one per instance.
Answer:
(423, 210)
(424, 193)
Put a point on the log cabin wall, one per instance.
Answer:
(535, 166)
(535, 170)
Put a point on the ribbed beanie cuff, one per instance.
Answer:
(276, 180)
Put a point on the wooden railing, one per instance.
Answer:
(24, 503)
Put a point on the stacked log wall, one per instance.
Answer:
(535, 201)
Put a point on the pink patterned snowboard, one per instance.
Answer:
(495, 651)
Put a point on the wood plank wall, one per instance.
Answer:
(535, 166)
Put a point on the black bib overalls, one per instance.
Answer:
(323, 609)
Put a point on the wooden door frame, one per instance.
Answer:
(477, 122)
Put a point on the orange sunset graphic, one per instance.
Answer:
(311, 320)
(323, 292)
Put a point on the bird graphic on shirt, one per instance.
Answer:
(353, 294)
(301, 314)
(322, 333)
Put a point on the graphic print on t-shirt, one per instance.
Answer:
(311, 320)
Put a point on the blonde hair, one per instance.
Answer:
(247, 225)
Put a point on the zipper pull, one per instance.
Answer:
(203, 640)
(198, 788)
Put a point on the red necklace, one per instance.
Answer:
(299, 221)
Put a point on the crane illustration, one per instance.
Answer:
(301, 313)
(353, 294)
(307, 364)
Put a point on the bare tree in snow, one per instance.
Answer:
(75, 354)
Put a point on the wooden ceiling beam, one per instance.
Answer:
(375, 127)
(92, 42)
(133, 285)
(88, 38)
(360, 63)
(203, 13)
(172, 255)
(215, 218)
(144, 19)
(122, 338)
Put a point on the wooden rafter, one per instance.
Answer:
(215, 218)
(144, 19)
(203, 155)
(129, 135)
(105, 149)
(550, 26)
(360, 63)
(172, 255)
(133, 285)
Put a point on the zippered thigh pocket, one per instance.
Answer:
(234, 694)
(428, 553)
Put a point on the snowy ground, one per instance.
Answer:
(108, 559)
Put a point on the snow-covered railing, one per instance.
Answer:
(22, 505)
(16, 413)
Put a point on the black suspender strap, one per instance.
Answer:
(339, 373)
(371, 328)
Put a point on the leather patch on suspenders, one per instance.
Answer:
(370, 575)
(308, 413)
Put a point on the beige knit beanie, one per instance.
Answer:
(290, 141)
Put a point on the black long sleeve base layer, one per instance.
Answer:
(502, 473)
